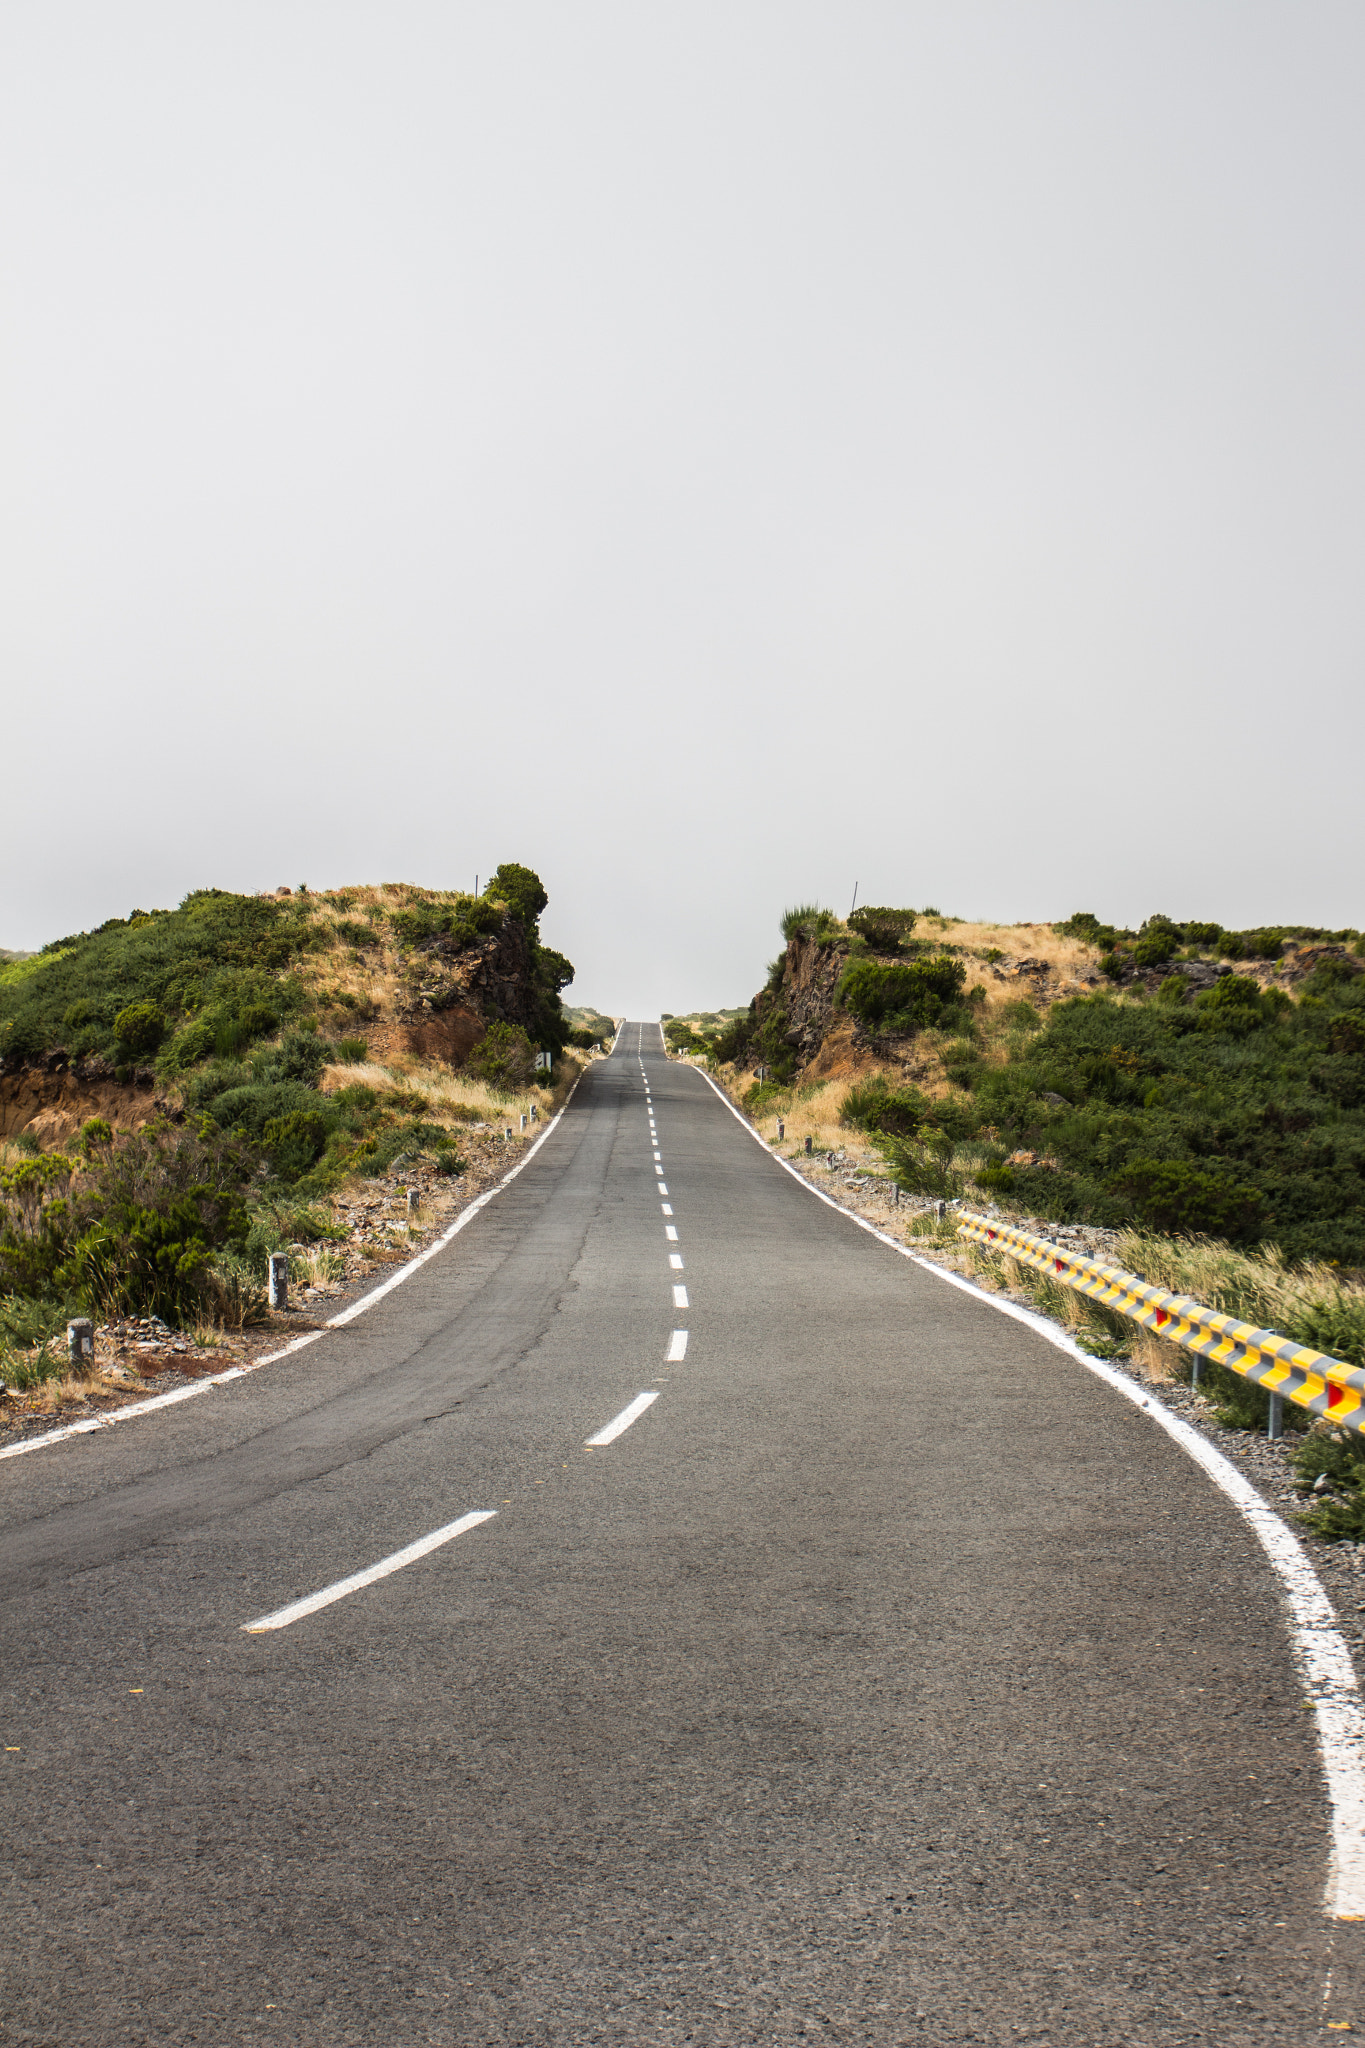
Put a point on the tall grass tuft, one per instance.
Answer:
(1312, 1303)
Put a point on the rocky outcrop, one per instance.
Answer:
(452, 993)
(810, 974)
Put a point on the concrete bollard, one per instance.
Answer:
(80, 1340)
(279, 1280)
(808, 1144)
(523, 1123)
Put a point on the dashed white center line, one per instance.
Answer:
(667, 1208)
(680, 1299)
(662, 1187)
(283, 1616)
(677, 1348)
(675, 1260)
(623, 1421)
(671, 1232)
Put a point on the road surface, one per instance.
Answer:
(886, 1678)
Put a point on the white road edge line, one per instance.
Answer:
(677, 1348)
(283, 1616)
(1319, 1649)
(620, 1423)
(347, 1315)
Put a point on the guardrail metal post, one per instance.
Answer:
(279, 1280)
(1194, 1372)
(1275, 1424)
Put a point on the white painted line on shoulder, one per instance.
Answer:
(1318, 1647)
(347, 1315)
(677, 1348)
(671, 1232)
(622, 1422)
(675, 1261)
(680, 1299)
(283, 1616)
(663, 1187)
(667, 1208)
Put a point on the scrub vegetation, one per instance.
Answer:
(266, 1037)
(1197, 1091)
(1208, 1100)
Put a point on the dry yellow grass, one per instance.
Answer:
(447, 1093)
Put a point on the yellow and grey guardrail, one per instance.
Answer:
(1286, 1370)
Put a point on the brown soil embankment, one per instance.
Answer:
(53, 1106)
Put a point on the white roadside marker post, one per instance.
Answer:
(279, 1280)
(80, 1339)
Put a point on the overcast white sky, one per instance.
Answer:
(711, 453)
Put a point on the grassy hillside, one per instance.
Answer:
(293, 1042)
(1184, 1078)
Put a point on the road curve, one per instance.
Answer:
(878, 1676)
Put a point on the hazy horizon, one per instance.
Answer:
(713, 459)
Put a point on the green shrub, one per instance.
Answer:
(808, 920)
(196, 1042)
(1020, 1016)
(37, 1221)
(95, 1135)
(350, 1052)
(147, 1217)
(1234, 1003)
(1157, 941)
(923, 1166)
(1338, 1514)
(236, 1297)
(883, 929)
(900, 998)
(504, 1058)
(875, 1106)
(295, 1141)
(1173, 989)
(258, 1020)
(139, 1028)
(1176, 1195)
(521, 889)
(732, 1046)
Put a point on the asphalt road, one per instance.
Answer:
(887, 1679)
